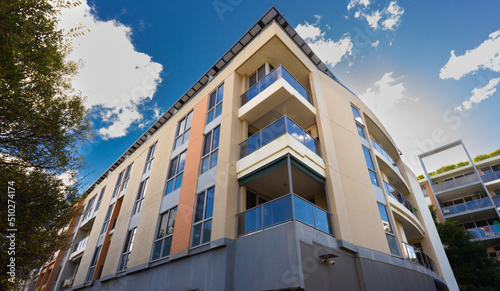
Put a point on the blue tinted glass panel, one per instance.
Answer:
(196, 235)
(167, 243)
(303, 211)
(218, 110)
(393, 245)
(210, 202)
(273, 131)
(205, 164)
(250, 220)
(368, 158)
(156, 250)
(384, 217)
(200, 203)
(213, 159)
(220, 93)
(207, 231)
(215, 143)
(373, 178)
(178, 181)
(322, 220)
(278, 211)
(295, 130)
(170, 186)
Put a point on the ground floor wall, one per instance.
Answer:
(284, 257)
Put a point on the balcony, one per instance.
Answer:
(78, 249)
(271, 78)
(490, 176)
(88, 219)
(485, 232)
(276, 129)
(497, 201)
(467, 206)
(455, 183)
(281, 210)
(416, 255)
(399, 197)
(278, 92)
(381, 150)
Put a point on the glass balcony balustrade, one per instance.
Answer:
(381, 150)
(490, 176)
(457, 182)
(273, 131)
(399, 197)
(283, 209)
(269, 79)
(497, 201)
(487, 231)
(470, 205)
(416, 255)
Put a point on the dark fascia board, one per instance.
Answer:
(270, 16)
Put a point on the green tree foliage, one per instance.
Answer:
(43, 121)
(473, 268)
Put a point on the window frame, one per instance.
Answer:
(212, 151)
(93, 264)
(101, 194)
(126, 250)
(370, 170)
(140, 196)
(150, 157)
(204, 219)
(167, 235)
(216, 108)
(107, 218)
(118, 184)
(360, 124)
(126, 178)
(183, 134)
(174, 177)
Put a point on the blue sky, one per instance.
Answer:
(139, 57)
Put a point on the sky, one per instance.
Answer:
(430, 70)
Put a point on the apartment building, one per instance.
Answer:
(469, 194)
(267, 174)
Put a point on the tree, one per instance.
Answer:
(43, 121)
(473, 268)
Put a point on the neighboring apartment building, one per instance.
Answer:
(267, 174)
(469, 195)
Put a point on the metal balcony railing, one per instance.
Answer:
(470, 205)
(399, 197)
(488, 231)
(381, 150)
(457, 182)
(273, 131)
(273, 76)
(490, 176)
(283, 209)
(416, 255)
(497, 201)
(81, 245)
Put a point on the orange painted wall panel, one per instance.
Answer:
(185, 208)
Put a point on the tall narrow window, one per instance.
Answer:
(215, 103)
(140, 196)
(360, 125)
(150, 157)
(127, 248)
(100, 198)
(175, 171)
(389, 233)
(93, 263)
(202, 222)
(126, 177)
(371, 166)
(183, 130)
(88, 210)
(163, 239)
(210, 149)
(118, 184)
(107, 218)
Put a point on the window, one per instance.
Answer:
(175, 171)
(93, 263)
(202, 222)
(88, 210)
(150, 157)
(210, 149)
(127, 248)
(183, 130)
(163, 239)
(118, 184)
(140, 196)
(259, 75)
(215, 104)
(371, 166)
(359, 122)
(389, 234)
(100, 199)
(107, 218)
(126, 178)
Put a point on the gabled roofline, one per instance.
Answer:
(272, 15)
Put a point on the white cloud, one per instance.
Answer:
(485, 56)
(384, 94)
(328, 50)
(115, 78)
(479, 94)
(375, 43)
(389, 15)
